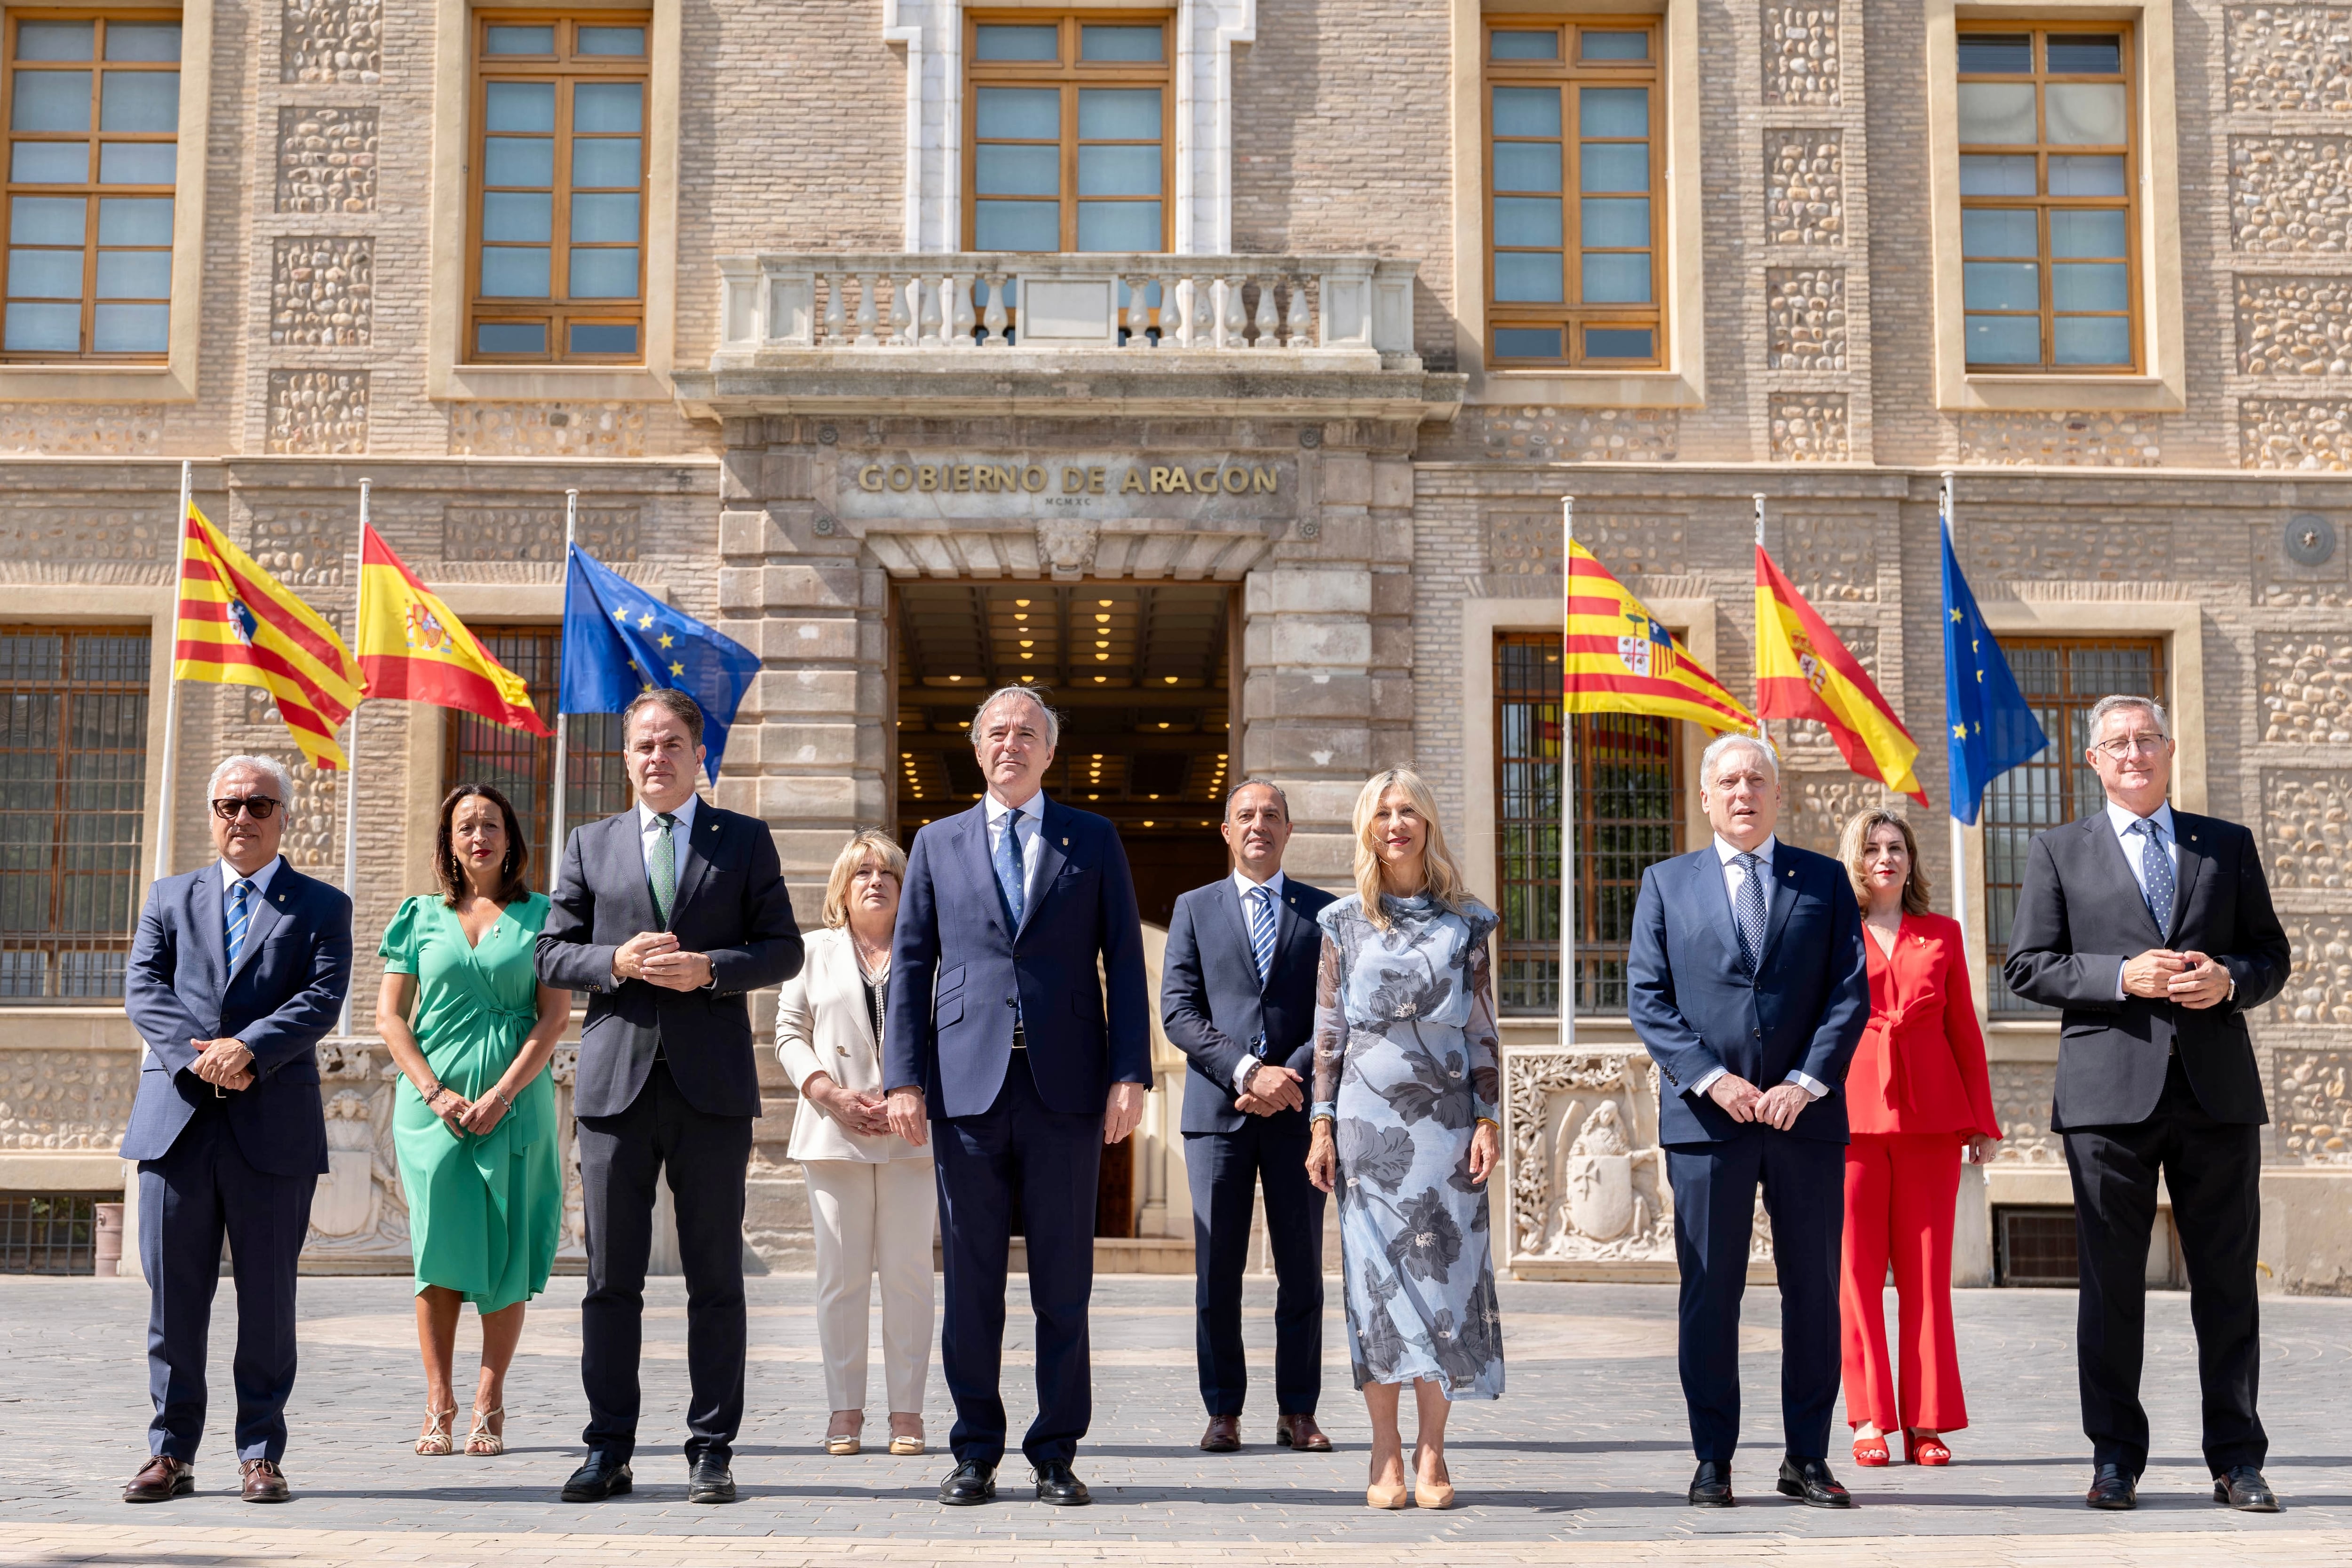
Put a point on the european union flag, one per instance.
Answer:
(1987, 724)
(619, 640)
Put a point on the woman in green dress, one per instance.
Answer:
(472, 1030)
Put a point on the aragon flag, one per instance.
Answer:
(238, 626)
(1617, 658)
(413, 648)
(1803, 672)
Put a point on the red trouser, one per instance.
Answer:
(1900, 1189)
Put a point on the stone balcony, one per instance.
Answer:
(873, 332)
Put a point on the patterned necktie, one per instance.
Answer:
(1748, 911)
(1262, 933)
(2156, 870)
(1010, 879)
(663, 867)
(239, 917)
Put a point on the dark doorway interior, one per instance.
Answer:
(1140, 675)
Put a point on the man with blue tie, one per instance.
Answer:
(1747, 983)
(1237, 997)
(2152, 930)
(999, 1039)
(236, 972)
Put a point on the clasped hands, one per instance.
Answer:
(1123, 1113)
(223, 1063)
(2192, 979)
(1777, 1107)
(654, 957)
(1272, 1087)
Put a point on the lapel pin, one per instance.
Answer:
(1066, 844)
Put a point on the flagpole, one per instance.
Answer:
(1960, 834)
(351, 751)
(171, 686)
(563, 726)
(1763, 729)
(1567, 791)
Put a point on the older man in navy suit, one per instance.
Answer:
(236, 972)
(1747, 985)
(999, 1035)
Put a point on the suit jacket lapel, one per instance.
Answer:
(1288, 921)
(2188, 868)
(209, 916)
(1784, 892)
(1229, 901)
(1708, 869)
(2107, 853)
(623, 845)
(1053, 829)
(694, 854)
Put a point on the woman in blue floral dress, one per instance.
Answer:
(1407, 1072)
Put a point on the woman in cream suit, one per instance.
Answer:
(870, 1194)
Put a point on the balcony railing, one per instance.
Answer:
(1334, 308)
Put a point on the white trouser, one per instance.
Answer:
(869, 1219)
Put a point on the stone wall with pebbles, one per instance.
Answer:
(318, 411)
(1804, 318)
(1809, 427)
(1804, 186)
(1800, 53)
(327, 159)
(322, 290)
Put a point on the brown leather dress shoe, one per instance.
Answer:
(1300, 1432)
(160, 1479)
(264, 1481)
(1223, 1435)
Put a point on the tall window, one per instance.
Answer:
(1628, 819)
(1068, 133)
(2046, 182)
(559, 189)
(2062, 678)
(93, 119)
(1572, 222)
(73, 779)
(520, 765)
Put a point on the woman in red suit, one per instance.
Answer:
(1918, 1099)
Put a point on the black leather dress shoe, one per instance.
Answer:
(599, 1479)
(2110, 1488)
(1056, 1485)
(972, 1482)
(1711, 1485)
(710, 1480)
(2244, 1490)
(1810, 1483)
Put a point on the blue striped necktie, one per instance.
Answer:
(240, 917)
(1010, 873)
(1262, 932)
(2156, 869)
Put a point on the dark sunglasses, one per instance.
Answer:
(257, 806)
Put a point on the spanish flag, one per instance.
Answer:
(1803, 672)
(412, 647)
(240, 626)
(1617, 658)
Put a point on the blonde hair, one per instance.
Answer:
(871, 842)
(1853, 843)
(1444, 885)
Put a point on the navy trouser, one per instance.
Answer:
(1714, 1206)
(1224, 1170)
(188, 1200)
(1050, 1159)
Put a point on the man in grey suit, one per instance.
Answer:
(666, 914)
(2152, 930)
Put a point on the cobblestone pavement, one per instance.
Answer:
(1584, 1461)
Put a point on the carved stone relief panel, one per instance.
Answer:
(359, 1212)
(1588, 1179)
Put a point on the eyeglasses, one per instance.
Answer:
(257, 806)
(2125, 745)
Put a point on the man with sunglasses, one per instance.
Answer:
(236, 972)
(2152, 930)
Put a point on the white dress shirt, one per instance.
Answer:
(1247, 889)
(260, 880)
(2122, 822)
(649, 831)
(1031, 817)
(1734, 878)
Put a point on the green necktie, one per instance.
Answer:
(665, 869)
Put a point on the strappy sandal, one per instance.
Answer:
(481, 1442)
(434, 1442)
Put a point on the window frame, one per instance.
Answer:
(567, 68)
(1566, 71)
(2044, 205)
(1069, 73)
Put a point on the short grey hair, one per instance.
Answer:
(1259, 784)
(1734, 741)
(2120, 702)
(270, 766)
(1052, 720)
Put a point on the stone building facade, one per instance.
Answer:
(816, 317)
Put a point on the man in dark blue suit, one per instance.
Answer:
(1747, 985)
(236, 972)
(999, 1035)
(1237, 997)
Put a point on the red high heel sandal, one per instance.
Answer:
(1924, 1450)
(1870, 1452)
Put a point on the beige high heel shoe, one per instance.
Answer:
(436, 1441)
(843, 1444)
(1430, 1494)
(1387, 1495)
(481, 1442)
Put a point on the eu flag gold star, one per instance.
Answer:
(645, 620)
(1956, 618)
(1959, 732)
(622, 616)
(667, 639)
(677, 669)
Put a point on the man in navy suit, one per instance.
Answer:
(999, 1035)
(1237, 997)
(236, 972)
(1746, 984)
(666, 914)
